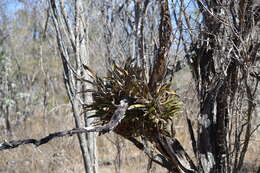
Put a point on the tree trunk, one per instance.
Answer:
(73, 69)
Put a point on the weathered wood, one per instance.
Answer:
(175, 153)
(165, 30)
(206, 130)
(37, 142)
(192, 136)
(118, 115)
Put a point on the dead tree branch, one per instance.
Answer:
(118, 115)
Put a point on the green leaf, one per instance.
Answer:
(136, 106)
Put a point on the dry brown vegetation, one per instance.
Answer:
(63, 154)
(34, 102)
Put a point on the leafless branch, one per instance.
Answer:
(118, 115)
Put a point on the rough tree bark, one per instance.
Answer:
(221, 59)
(140, 12)
(165, 31)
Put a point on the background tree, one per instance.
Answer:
(72, 28)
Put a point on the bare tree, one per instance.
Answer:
(6, 91)
(72, 37)
(221, 47)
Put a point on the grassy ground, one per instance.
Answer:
(63, 154)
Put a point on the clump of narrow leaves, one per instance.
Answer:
(147, 113)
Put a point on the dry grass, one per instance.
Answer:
(63, 154)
